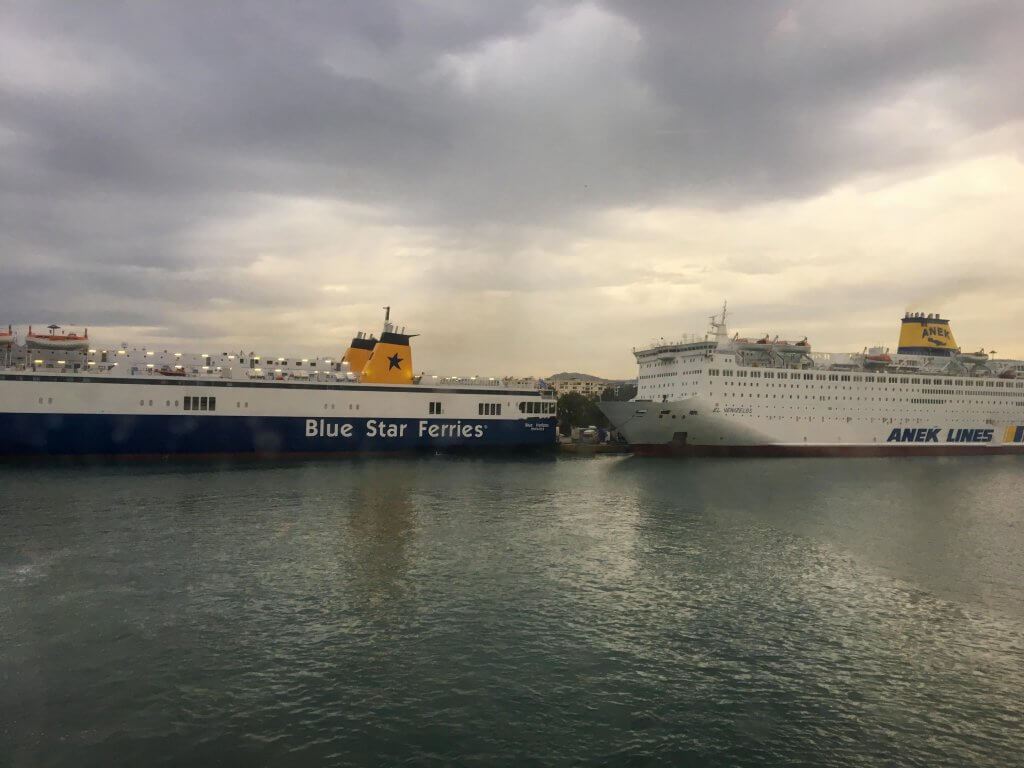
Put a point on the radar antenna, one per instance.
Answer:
(718, 327)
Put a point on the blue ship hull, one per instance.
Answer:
(54, 434)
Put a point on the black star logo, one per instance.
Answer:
(393, 362)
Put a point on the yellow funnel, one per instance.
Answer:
(359, 352)
(923, 334)
(390, 362)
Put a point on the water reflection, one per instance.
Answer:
(418, 610)
(945, 526)
(783, 609)
(380, 524)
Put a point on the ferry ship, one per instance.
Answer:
(722, 395)
(61, 397)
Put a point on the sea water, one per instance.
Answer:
(513, 611)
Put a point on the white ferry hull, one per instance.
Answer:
(698, 427)
(726, 396)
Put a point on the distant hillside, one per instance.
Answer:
(581, 376)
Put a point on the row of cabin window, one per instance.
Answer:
(494, 409)
(869, 379)
(537, 407)
(822, 398)
(485, 409)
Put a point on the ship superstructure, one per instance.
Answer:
(129, 400)
(726, 395)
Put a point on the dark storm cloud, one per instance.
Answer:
(227, 98)
(763, 97)
(195, 109)
(125, 127)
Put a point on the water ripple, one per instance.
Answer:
(457, 611)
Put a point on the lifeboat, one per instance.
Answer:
(751, 344)
(54, 340)
(6, 337)
(792, 347)
(774, 345)
(877, 359)
(974, 357)
(166, 370)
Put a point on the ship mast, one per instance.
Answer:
(718, 327)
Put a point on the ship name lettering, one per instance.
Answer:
(325, 428)
(458, 429)
(969, 436)
(932, 330)
(931, 435)
(738, 409)
(381, 428)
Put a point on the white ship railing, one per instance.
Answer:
(662, 343)
(269, 375)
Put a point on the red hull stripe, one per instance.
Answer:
(668, 449)
(184, 458)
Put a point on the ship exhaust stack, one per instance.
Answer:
(359, 352)
(391, 359)
(926, 334)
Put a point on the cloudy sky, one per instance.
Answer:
(533, 186)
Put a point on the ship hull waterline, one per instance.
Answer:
(209, 436)
(818, 451)
(697, 428)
